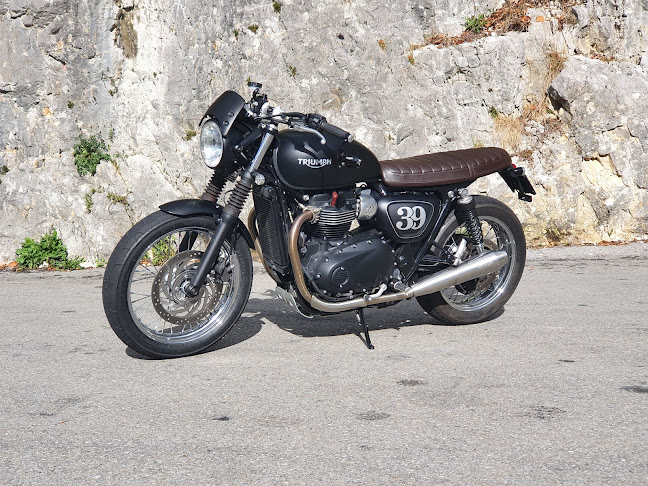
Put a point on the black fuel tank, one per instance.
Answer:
(303, 163)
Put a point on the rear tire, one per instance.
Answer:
(142, 293)
(479, 299)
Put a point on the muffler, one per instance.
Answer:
(487, 262)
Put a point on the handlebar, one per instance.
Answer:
(336, 131)
(313, 122)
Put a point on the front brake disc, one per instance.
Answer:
(167, 292)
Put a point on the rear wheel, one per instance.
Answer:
(143, 286)
(479, 299)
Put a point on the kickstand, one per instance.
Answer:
(361, 321)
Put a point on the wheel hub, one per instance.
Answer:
(170, 300)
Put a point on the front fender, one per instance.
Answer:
(200, 207)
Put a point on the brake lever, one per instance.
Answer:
(302, 128)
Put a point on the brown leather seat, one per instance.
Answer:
(444, 167)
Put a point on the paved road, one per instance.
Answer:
(553, 391)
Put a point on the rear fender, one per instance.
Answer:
(517, 180)
(200, 207)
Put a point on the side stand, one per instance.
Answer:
(361, 321)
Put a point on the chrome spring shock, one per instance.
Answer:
(466, 214)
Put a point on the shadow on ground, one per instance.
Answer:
(260, 312)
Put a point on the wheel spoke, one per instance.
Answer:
(148, 270)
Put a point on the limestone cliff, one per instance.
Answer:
(141, 73)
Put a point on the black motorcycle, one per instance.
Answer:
(336, 229)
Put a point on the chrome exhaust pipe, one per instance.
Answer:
(487, 262)
(477, 267)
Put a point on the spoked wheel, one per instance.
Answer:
(478, 299)
(144, 283)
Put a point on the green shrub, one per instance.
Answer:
(88, 153)
(49, 249)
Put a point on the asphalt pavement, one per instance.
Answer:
(552, 391)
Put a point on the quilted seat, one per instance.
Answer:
(444, 167)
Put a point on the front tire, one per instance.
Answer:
(142, 288)
(479, 299)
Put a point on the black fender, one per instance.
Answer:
(200, 207)
(517, 180)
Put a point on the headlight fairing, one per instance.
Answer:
(211, 143)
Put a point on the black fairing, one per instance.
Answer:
(225, 110)
(304, 164)
(407, 218)
(228, 112)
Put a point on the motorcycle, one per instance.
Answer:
(336, 229)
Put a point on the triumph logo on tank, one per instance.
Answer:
(315, 163)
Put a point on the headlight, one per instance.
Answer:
(211, 143)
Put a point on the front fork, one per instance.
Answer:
(229, 216)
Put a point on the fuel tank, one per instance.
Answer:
(304, 164)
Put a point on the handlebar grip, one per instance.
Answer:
(335, 131)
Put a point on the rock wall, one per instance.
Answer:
(141, 74)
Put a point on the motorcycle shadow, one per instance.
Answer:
(260, 312)
(396, 317)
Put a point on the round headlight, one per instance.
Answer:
(211, 143)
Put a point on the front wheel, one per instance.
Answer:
(479, 299)
(143, 286)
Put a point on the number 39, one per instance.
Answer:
(411, 218)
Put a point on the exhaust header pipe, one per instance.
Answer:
(487, 262)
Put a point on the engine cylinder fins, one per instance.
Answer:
(332, 223)
(333, 216)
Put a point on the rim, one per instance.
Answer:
(479, 293)
(156, 301)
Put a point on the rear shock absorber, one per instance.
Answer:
(467, 214)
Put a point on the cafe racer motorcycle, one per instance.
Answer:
(337, 229)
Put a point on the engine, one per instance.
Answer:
(340, 262)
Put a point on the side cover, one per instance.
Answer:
(407, 218)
